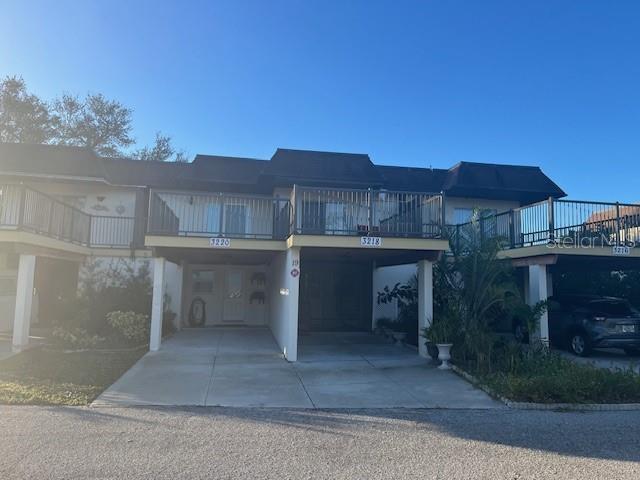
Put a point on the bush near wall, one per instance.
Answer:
(81, 322)
(133, 327)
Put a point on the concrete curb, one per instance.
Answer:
(571, 407)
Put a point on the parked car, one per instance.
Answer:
(583, 322)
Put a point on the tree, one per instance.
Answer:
(161, 151)
(95, 122)
(24, 118)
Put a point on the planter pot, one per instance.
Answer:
(444, 355)
(432, 350)
(387, 332)
(399, 337)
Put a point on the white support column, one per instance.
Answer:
(425, 302)
(291, 303)
(157, 304)
(538, 291)
(374, 294)
(179, 294)
(24, 301)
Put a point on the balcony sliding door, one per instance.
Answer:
(235, 219)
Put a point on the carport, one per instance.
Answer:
(540, 264)
(339, 286)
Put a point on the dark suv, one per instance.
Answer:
(583, 322)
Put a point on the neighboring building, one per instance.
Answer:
(300, 242)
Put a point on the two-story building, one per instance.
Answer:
(299, 242)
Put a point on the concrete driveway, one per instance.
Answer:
(242, 367)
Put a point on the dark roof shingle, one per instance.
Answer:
(220, 173)
(54, 160)
(311, 167)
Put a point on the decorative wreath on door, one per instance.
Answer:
(197, 312)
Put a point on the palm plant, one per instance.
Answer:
(475, 284)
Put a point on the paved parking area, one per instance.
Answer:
(611, 358)
(242, 367)
(287, 443)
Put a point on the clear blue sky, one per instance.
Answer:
(554, 84)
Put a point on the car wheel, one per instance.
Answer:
(520, 333)
(632, 351)
(579, 344)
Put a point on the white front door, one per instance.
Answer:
(233, 309)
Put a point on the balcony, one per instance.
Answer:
(562, 222)
(218, 215)
(330, 211)
(25, 209)
(313, 211)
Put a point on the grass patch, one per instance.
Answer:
(554, 379)
(52, 377)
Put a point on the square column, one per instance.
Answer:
(24, 301)
(425, 302)
(285, 293)
(291, 303)
(538, 292)
(179, 294)
(157, 304)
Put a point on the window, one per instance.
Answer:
(613, 308)
(202, 281)
(212, 218)
(462, 215)
(336, 220)
(235, 219)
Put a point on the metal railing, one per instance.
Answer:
(23, 208)
(26, 209)
(116, 232)
(218, 214)
(563, 222)
(333, 211)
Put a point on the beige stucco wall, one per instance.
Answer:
(451, 203)
(94, 198)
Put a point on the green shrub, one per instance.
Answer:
(76, 337)
(120, 286)
(407, 297)
(551, 378)
(134, 327)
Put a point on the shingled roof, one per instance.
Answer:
(287, 167)
(475, 180)
(487, 180)
(51, 160)
(332, 168)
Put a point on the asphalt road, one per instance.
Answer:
(41, 442)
